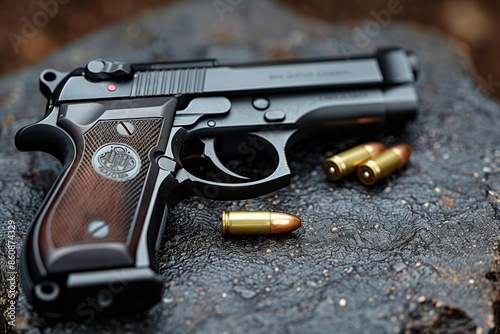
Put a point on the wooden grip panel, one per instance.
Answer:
(99, 198)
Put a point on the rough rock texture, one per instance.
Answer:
(415, 254)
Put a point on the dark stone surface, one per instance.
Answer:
(417, 253)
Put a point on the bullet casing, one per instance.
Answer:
(340, 165)
(258, 222)
(383, 164)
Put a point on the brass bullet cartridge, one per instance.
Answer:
(258, 222)
(386, 162)
(340, 165)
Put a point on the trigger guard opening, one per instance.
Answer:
(280, 176)
(249, 155)
(234, 158)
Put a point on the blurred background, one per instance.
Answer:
(473, 24)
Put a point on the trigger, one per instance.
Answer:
(209, 153)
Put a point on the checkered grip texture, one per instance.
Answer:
(91, 197)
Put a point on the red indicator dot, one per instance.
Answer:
(111, 87)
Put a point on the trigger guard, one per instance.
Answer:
(243, 190)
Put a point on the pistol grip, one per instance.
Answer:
(99, 200)
(90, 229)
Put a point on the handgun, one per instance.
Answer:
(136, 139)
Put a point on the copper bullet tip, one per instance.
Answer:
(284, 222)
(404, 151)
(374, 148)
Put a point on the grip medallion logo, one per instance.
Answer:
(117, 162)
